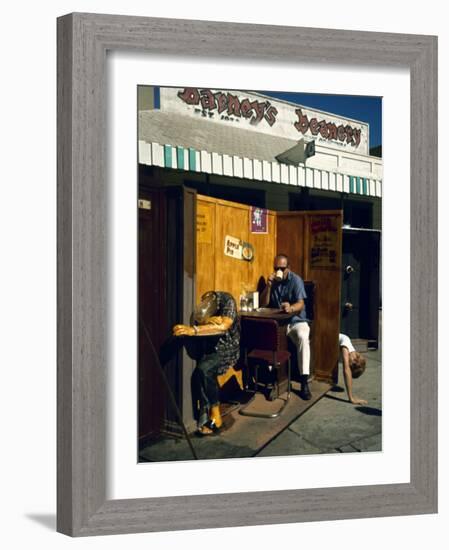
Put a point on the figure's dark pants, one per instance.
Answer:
(204, 384)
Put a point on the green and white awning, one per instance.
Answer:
(190, 159)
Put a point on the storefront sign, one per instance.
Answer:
(323, 242)
(233, 247)
(259, 220)
(233, 106)
(203, 224)
(327, 130)
(257, 112)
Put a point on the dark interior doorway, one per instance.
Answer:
(360, 290)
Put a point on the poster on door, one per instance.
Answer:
(323, 242)
(259, 220)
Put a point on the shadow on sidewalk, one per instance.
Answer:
(371, 411)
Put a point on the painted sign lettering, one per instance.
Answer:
(255, 112)
(203, 224)
(323, 242)
(328, 130)
(233, 247)
(221, 102)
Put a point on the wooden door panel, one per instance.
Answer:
(322, 264)
(151, 313)
(231, 273)
(265, 250)
(205, 245)
(314, 252)
(290, 239)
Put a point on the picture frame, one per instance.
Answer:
(82, 506)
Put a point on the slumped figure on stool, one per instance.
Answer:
(216, 314)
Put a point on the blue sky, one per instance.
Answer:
(364, 108)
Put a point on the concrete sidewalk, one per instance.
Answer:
(243, 436)
(333, 425)
(329, 425)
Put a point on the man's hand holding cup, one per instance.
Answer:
(271, 279)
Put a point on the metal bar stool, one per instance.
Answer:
(260, 339)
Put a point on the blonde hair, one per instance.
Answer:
(358, 365)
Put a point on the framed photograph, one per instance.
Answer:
(102, 411)
(230, 181)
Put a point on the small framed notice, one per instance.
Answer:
(259, 220)
(233, 247)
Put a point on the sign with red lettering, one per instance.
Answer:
(323, 242)
(257, 112)
(327, 130)
(233, 106)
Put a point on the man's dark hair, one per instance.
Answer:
(279, 256)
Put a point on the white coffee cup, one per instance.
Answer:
(279, 275)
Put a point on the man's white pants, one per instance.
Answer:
(299, 334)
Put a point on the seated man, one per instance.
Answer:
(285, 290)
(217, 313)
(354, 365)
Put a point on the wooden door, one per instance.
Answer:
(151, 305)
(216, 219)
(361, 284)
(167, 227)
(350, 288)
(312, 241)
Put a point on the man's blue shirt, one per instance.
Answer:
(291, 290)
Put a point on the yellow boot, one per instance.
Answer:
(215, 416)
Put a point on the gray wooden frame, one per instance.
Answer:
(83, 40)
